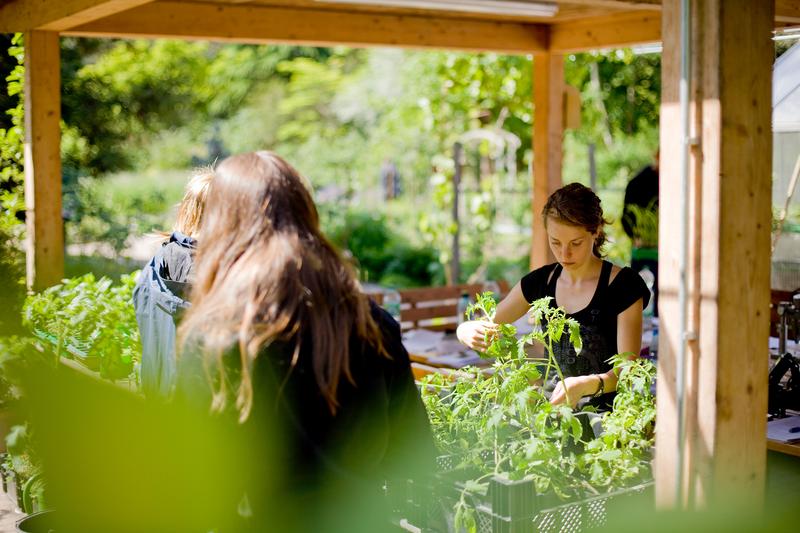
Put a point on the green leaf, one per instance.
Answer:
(476, 487)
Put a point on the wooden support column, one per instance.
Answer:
(45, 248)
(729, 255)
(548, 129)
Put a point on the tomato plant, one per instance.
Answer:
(503, 414)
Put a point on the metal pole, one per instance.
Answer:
(455, 261)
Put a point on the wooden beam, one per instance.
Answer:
(729, 263)
(628, 4)
(548, 129)
(787, 11)
(612, 31)
(26, 15)
(45, 242)
(262, 24)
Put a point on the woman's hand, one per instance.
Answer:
(575, 388)
(473, 333)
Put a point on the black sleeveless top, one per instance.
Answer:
(598, 320)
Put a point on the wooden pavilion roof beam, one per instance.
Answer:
(26, 15)
(631, 4)
(787, 11)
(613, 31)
(323, 27)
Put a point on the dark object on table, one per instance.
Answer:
(788, 316)
(784, 393)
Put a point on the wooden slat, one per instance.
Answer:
(787, 11)
(415, 314)
(730, 185)
(613, 31)
(45, 243)
(427, 294)
(255, 24)
(788, 449)
(434, 307)
(567, 10)
(420, 370)
(668, 277)
(548, 94)
(26, 15)
(627, 4)
(446, 324)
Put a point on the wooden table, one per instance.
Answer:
(782, 447)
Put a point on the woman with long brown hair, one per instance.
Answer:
(281, 336)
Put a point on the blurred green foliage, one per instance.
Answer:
(620, 91)
(91, 321)
(377, 253)
(118, 95)
(338, 114)
(113, 209)
(12, 204)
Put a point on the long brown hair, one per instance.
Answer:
(266, 273)
(577, 205)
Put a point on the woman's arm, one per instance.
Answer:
(513, 306)
(473, 332)
(629, 339)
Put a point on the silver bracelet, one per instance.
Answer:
(600, 388)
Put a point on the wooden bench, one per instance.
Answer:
(434, 307)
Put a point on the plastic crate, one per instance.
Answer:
(514, 508)
(511, 506)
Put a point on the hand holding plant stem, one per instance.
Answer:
(573, 388)
(552, 323)
(481, 333)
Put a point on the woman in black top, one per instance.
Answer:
(606, 300)
(281, 339)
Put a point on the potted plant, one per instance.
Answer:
(510, 453)
(39, 522)
(91, 321)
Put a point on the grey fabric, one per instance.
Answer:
(159, 299)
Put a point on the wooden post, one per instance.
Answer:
(729, 254)
(45, 243)
(548, 98)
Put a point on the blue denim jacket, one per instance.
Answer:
(159, 300)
